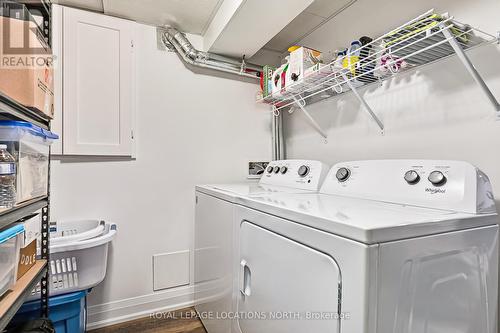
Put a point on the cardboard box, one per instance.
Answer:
(303, 62)
(26, 73)
(279, 80)
(27, 259)
(30, 243)
(32, 229)
(267, 87)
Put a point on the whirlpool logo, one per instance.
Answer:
(435, 190)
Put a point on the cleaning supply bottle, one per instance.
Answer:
(352, 57)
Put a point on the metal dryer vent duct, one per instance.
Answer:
(175, 40)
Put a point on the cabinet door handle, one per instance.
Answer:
(245, 278)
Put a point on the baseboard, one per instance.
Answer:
(138, 307)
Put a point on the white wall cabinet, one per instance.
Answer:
(94, 83)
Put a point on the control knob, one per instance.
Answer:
(412, 177)
(270, 169)
(343, 174)
(277, 170)
(437, 178)
(284, 169)
(303, 171)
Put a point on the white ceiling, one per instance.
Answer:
(84, 4)
(195, 16)
(317, 14)
(241, 34)
(191, 16)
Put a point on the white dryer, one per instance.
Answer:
(394, 246)
(214, 230)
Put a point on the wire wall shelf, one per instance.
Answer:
(426, 39)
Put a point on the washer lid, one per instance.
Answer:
(367, 221)
(231, 192)
(285, 176)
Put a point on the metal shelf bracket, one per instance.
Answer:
(301, 104)
(363, 102)
(472, 70)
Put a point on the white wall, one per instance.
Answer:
(191, 128)
(437, 112)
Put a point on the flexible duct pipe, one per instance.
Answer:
(193, 53)
(208, 60)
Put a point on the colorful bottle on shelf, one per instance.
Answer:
(7, 178)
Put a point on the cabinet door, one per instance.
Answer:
(57, 35)
(98, 84)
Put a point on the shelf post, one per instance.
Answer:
(310, 118)
(363, 102)
(278, 151)
(44, 282)
(470, 68)
(45, 248)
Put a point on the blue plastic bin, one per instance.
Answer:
(68, 312)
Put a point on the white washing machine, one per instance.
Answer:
(394, 246)
(214, 230)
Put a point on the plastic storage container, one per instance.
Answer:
(18, 11)
(67, 312)
(29, 145)
(10, 243)
(7, 179)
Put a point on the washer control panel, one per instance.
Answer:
(449, 185)
(300, 174)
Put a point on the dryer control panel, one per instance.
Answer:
(300, 174)
(449, 185)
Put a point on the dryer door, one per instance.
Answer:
(284, 286)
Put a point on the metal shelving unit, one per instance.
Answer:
(424, 40)
(9, 216)
(11, 302)
(44, 7)
(10, 109)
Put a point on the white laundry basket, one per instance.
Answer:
(72, 231)
(78, 255)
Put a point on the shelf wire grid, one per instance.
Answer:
(416, 43)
